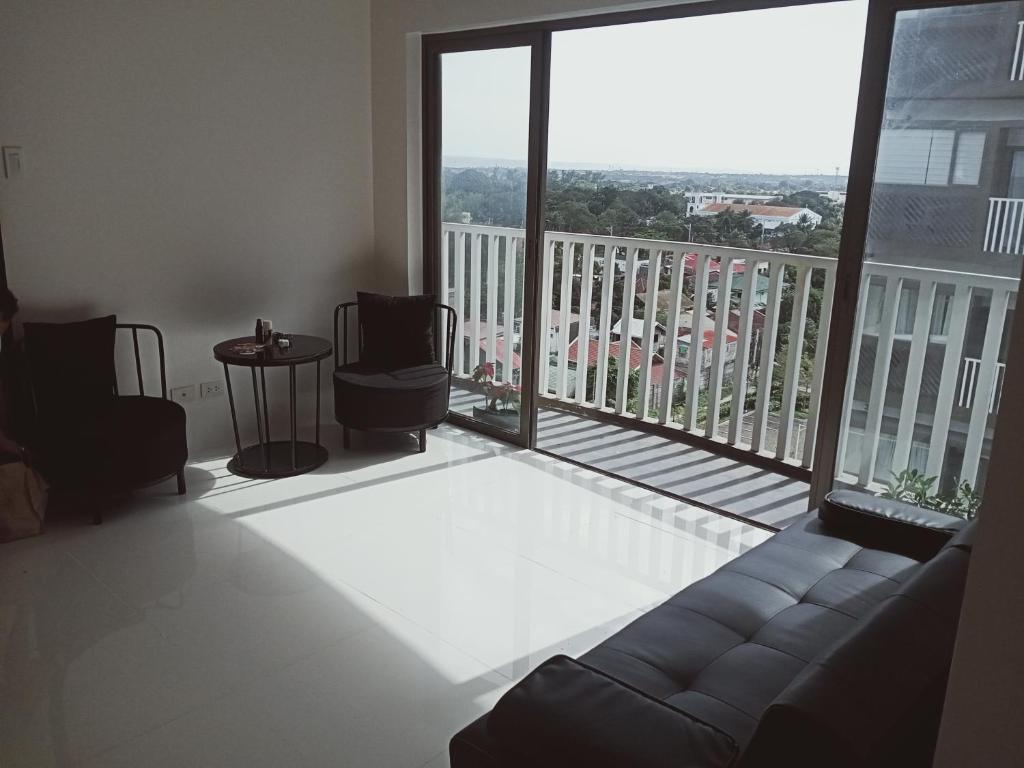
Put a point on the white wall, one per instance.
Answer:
(982, 721)
(192, 164)
(396, 29)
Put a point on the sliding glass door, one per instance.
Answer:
(710, 263)
(941, 262)
(480, 108)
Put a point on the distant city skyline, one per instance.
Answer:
(771, 91)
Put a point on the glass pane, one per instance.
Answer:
(485, 112)
(694, 211)
(942, 261)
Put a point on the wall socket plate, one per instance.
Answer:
(186, 394)
(211, 389)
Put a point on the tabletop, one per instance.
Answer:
(303, 349)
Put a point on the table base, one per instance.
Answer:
(251, 461)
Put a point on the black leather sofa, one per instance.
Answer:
(828, 645)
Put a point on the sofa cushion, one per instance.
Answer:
(726, 646)
(568, 713)
(396, 331)
(874, 696)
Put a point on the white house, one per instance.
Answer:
(697, 200)
(768, 216)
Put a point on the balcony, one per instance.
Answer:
(928, 342)
(1004, 227)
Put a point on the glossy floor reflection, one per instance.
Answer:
(356, 616)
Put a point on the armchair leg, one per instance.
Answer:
(346, 441)
(181, 481)
(423, 440)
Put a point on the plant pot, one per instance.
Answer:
(502, 419)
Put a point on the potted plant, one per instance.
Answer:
(501, 399)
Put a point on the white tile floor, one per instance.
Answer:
(356, 616)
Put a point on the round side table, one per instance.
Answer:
(273, 458)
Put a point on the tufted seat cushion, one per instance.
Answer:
(728, 648)
(742, 634)
(366, 397)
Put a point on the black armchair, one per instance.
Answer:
(394, 386)
(88, 436)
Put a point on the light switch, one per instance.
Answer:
(12, 162)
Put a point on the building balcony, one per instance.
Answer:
(927, 341)
(1004, 228)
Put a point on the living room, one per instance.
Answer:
(362, 592)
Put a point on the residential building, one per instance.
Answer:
(768, 216)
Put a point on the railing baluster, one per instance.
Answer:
(915, 367)
(475, 279)
(983, 388)
(695, 364)
(1017, 66)
(625, 331)
(546, 297)
(492, 306)
(791, 384)
(604, 327)
(508, 316)
(947, 381)
(565, 317)
(1006, 209)
(992, 203)
(718, 349)
(741, 366)
(764, 374)
(583, 337)
(879, 380)
(1019, 206)
(671, 338)
(442, 294)
(852, 370)
(818, 374)
(647, 342)
(460, 302)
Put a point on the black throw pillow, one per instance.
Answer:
(396, 331)
(71, 366)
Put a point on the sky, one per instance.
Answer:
(770, 91)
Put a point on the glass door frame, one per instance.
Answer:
(539, 43)
(880, 27)
(879, 33)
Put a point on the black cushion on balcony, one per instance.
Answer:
(367, 397)
(900, 527)
(396, 331)
(72, 366)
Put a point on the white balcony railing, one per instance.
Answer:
(969, 384)
(1017, 67)
(739, 365)
(1004, 228)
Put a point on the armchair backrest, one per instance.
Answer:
(443, 334)
(71, 366)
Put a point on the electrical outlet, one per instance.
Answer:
(186, 394)
(211, 389)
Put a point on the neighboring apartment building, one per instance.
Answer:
(948, 203)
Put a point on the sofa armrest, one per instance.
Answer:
(567, 713)
(888, 524)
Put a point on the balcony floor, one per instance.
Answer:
(672, 467)
(683, 470)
